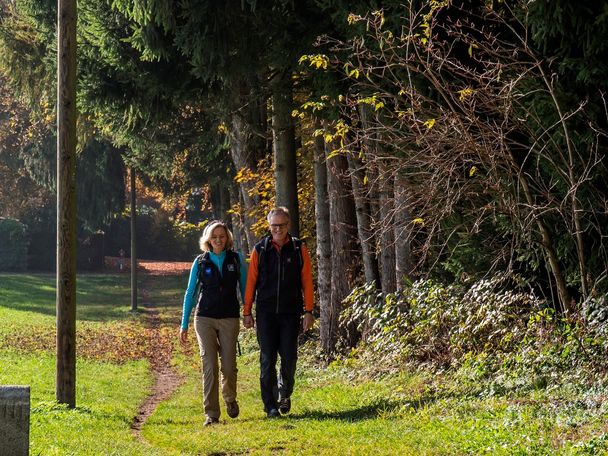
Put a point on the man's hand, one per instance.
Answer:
(183, 335)
(309, 320)
(248, 321)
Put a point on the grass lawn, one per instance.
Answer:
(403, 414)
(335, 411)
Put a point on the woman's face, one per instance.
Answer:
(218, 239)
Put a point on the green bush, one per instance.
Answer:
(489, 332)
(13, 239)
(432, 323)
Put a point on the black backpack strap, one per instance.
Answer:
(199, 284)
(297, 245)
(200, 259)
(262, 250)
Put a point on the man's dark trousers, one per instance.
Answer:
(277, 334)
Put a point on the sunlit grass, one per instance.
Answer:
(336, 411)
(107, 399)
(411, 414)
(108, 395)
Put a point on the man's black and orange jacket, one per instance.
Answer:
(280, 278)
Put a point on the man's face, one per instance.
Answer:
(279, 227)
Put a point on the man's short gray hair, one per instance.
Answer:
(279, 210)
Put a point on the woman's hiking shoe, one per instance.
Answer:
(284, 405)
(232, 409)
(210, 420)
(273, 413)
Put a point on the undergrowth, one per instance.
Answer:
(490, 334)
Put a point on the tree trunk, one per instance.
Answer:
(284, 148)
(364, 221)
(244, 156)
(387, 233)
(403, 260)
(220, 200)
(133, 242)
(66, 203)
(322, 218)
(345, 257)
(238, 230)
(385, 217)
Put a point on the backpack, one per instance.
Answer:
(297, 244)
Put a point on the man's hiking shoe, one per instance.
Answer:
(210, 420)
(232, 409)
(284, 405)
(273, 413)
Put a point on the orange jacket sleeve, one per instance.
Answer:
(306, 274)
(252, 279)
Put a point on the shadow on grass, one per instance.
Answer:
(374, 410)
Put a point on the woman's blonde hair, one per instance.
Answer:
(205, 240)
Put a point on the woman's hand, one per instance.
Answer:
(183, 335)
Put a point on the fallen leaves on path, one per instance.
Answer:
(151, 267)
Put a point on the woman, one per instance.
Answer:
(212, 287)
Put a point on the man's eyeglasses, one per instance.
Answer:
(278, 225)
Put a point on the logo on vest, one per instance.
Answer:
(230, 267)
(208, 271)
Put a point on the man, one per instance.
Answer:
(280, 280)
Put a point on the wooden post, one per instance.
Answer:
(66, 202)
(133, 242)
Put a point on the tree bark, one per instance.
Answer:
(403, 260)
(384, 220)
(244, 155)
(66, 203)
(220, 200)
(133, 241)
(322, 218)
(345, 257)
(238, 230)
(364, 221)
(284, 148)
(387, 233)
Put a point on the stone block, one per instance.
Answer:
(14, 420)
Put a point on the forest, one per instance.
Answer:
(444, 161)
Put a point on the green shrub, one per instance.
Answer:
(432, 323)
(13, 239)
(488, 333)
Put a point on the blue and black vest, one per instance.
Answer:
(279, 284)
(217, 297)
